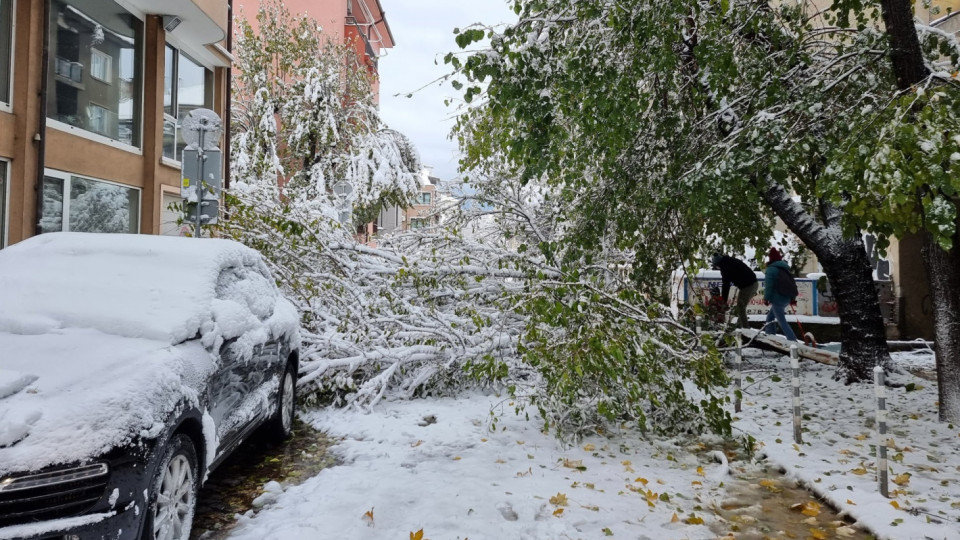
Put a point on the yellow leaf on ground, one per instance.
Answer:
(818, 534)
(859, 471)
(589, 447)
(810, 508)
(693, 520)
(416, 444)
(499, 461)
(851, 502)
(901, 479)
(700, 471)
(457, 458)
(560, 499)
(861, 436)
(572, 463)
(696, 483)
(368, 516)
(675, 518)
(641, 480)
(895, 504)
(520, 442)
(627, 466)
(417, 535)
(483, 440)
(558, 512)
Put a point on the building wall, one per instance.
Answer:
(354, 22)
(80, 152)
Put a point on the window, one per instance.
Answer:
(193, 90)
(94, 42)
(424, 197)
(3, 204)
(90, 205)
(100, 65)
(99, 119)
(418, 223)
(6, 48)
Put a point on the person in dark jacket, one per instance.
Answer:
(778, 302)
(736, 272)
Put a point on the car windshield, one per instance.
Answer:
(128, 285)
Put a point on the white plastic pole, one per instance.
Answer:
(881, 394)
(795, 366)
(738, 373)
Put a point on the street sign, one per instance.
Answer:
(209, 212)
(202, 167)
(210, 184)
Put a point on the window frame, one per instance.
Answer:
(179, 50)
(4, 202)
(139, 72)
(107, 61)
(7, 106)
(67, 181)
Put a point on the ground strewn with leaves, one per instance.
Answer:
(837, 458)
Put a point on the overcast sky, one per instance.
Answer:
(423, 30)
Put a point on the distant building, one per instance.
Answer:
(89, 139)
(422, 214)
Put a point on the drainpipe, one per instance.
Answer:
(227, 109)
(41, 136)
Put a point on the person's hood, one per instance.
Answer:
(780, 264)
(71, 395)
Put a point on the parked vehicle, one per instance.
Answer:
(130, 367)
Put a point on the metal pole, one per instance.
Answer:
(795, 366)
(199, 189)
(881, 394)
(737, 374)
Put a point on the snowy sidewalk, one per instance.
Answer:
(455, 479)
(435, 465)
(837, 458)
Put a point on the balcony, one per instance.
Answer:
(71, 71)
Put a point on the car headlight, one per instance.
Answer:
(52, 478)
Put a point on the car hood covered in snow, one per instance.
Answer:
(75, 394)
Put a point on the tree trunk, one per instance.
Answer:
(943, 267)
(943, 274)
(862, 335)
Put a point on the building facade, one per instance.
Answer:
(91, 92)
(359, 23)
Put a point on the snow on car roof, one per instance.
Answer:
(137, 286)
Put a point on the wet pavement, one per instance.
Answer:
(232, 487)
(761, 503)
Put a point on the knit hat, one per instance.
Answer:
(715, 259)
(774, 255)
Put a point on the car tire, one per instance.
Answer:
(281, 424)
(173, 495)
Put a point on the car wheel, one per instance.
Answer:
(281, 425)
(174, 492)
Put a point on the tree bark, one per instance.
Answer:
(845, 261)
(942, 266)
(943, 275)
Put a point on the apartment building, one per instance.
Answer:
(90, 96)
(360, 23)
(422, 214)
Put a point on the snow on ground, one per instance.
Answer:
(837, 458)
(437, 465)
(440, 465)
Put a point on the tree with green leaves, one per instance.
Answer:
(902, 173)
(678, 126)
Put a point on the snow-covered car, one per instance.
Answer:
(130, 367)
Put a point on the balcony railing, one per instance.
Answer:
(69, 70)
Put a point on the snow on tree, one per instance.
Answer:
(479, 298)
(673, 127)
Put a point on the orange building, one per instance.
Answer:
(90, 94)
(361, 23)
